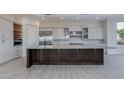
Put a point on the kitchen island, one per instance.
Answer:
(65, 55)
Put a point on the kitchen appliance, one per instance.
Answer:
(75, 33)
(45, 37)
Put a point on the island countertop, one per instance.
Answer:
(65, 55)
(89, 46)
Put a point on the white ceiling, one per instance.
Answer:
(72, 17)
(80, 17)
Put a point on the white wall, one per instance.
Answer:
(69, 23)
(110, 34)
(18, 19)
(12, 18)
(104, 25)
(9, 17)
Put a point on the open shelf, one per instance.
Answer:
(17, 33)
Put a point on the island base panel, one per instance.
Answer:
(65, 57)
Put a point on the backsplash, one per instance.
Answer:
(78, 40)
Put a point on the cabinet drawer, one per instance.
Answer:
(18, 51)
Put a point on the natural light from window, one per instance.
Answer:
(120, 33)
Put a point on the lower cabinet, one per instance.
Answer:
(6, 40)
(17, 51)
(50, 56)
(65, 56)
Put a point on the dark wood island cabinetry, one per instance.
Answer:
(65, 57)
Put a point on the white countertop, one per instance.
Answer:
(88, 46)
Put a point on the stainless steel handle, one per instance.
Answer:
(2, 38)
(2, 41)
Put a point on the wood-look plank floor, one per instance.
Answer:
(112, 69)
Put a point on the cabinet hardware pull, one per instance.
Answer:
(2, 38)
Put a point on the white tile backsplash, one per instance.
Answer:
(78, 40)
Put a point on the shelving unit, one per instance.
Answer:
(17, 34)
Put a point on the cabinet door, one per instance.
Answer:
(6, 40)
(61, 33)
(88, 56)
(55, 56)
(92, 33)
(50, 56)
(100, 33)
(80, 55)
(8, 50)
(75, 29)
(31, 35)
(7, 28)
(99, 56)
(68, 56)
(64, 55)
(55, 34)
(95, 33)
(46, 56)
(58, 33)
(71, 29)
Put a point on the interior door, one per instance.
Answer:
(31, 35)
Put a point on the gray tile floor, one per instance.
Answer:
(112, 69)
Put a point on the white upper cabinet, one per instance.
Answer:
(8, 48)
(7, 28)
(92, 25)
(75, 29)
(95, 33)
(31, 35)
(58, 33)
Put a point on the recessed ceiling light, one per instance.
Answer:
(62, 18)
(43, 18)
(97, 17)
(77, 18)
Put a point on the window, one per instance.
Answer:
(120, 33)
